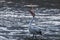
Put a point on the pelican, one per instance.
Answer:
(34, 29)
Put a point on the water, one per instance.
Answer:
(14, 23)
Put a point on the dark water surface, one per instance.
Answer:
(14, 23)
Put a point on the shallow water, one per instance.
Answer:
(15, 22)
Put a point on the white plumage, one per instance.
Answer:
(34, 29)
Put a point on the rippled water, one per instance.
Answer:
(14, 22)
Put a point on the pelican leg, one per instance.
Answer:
(34, 37)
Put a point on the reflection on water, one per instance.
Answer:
(14, 23)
